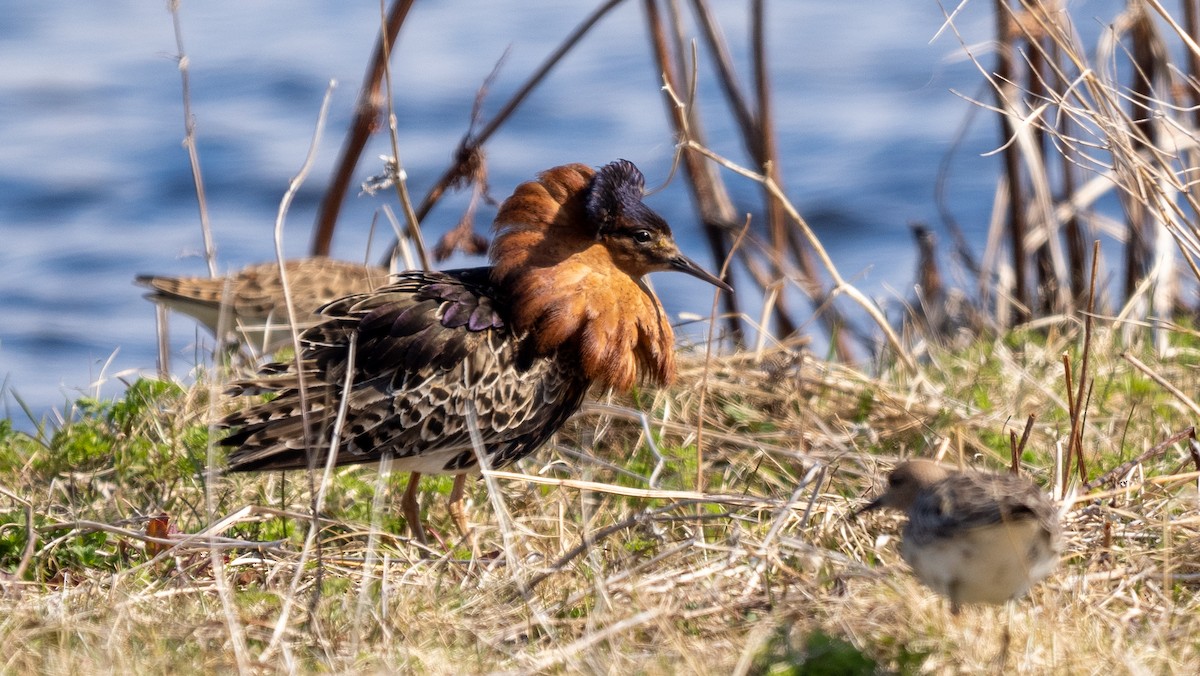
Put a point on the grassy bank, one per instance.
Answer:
(141, 560)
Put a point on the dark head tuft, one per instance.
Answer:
(615, 192)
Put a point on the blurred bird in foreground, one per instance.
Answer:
(249, 305)
(506, 352)
(973, 537)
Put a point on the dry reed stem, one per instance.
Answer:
(709, 194)
(289, 303)
(318, 500)
(717, 46)
(189, 141)
(370, 560)
(759, 139)
(1020, 449)
(708, 343)
(645, 493)
(401, 183)
(1078, 409)
(1164, 383)
(367, 108)
(1148, 175)
(1189, 433)
(840, 285)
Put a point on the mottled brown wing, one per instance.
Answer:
(967, 500)
(251, 301)
(258, 290)
(432, 352)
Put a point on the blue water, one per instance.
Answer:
(95, 186)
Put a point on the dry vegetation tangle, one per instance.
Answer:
(586, 566)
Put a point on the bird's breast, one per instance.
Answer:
(989, 564)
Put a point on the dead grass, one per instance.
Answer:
(594, 570)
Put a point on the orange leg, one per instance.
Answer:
(410, 508)
(458, 510)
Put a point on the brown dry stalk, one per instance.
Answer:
(1025, 434)
(725, 74)
(1018, 448)
(647, 493)
(759, 139)
(1005, 91)
(309, 443)
(1186, 433)
(709, 194)
(712, 323)
(1075, 440)
(1068, 385)
(367, 110)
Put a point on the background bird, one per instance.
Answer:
(507, 350)
(249, 305)
(973, 537)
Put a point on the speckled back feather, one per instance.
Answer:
(430, 347)
(967, 500)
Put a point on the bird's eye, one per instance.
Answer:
(642, 236)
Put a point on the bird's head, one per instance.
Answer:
(904, 483)
(570, 252)
(639, 240)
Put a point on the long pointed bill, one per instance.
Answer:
(875, 504)
(684, 264)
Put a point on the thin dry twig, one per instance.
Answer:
(401, 183)
(840, 285)
(717, 214)
(1164, 383)
(647, 493)
(177, 542)
(708, 343)
(507, 529)
(189, 141)
(478, 139)
(1020, 448)
(1123, 468)
(309, 443)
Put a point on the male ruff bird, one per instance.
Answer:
(973, 537)
(508, 350)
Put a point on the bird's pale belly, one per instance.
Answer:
(983, 565)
